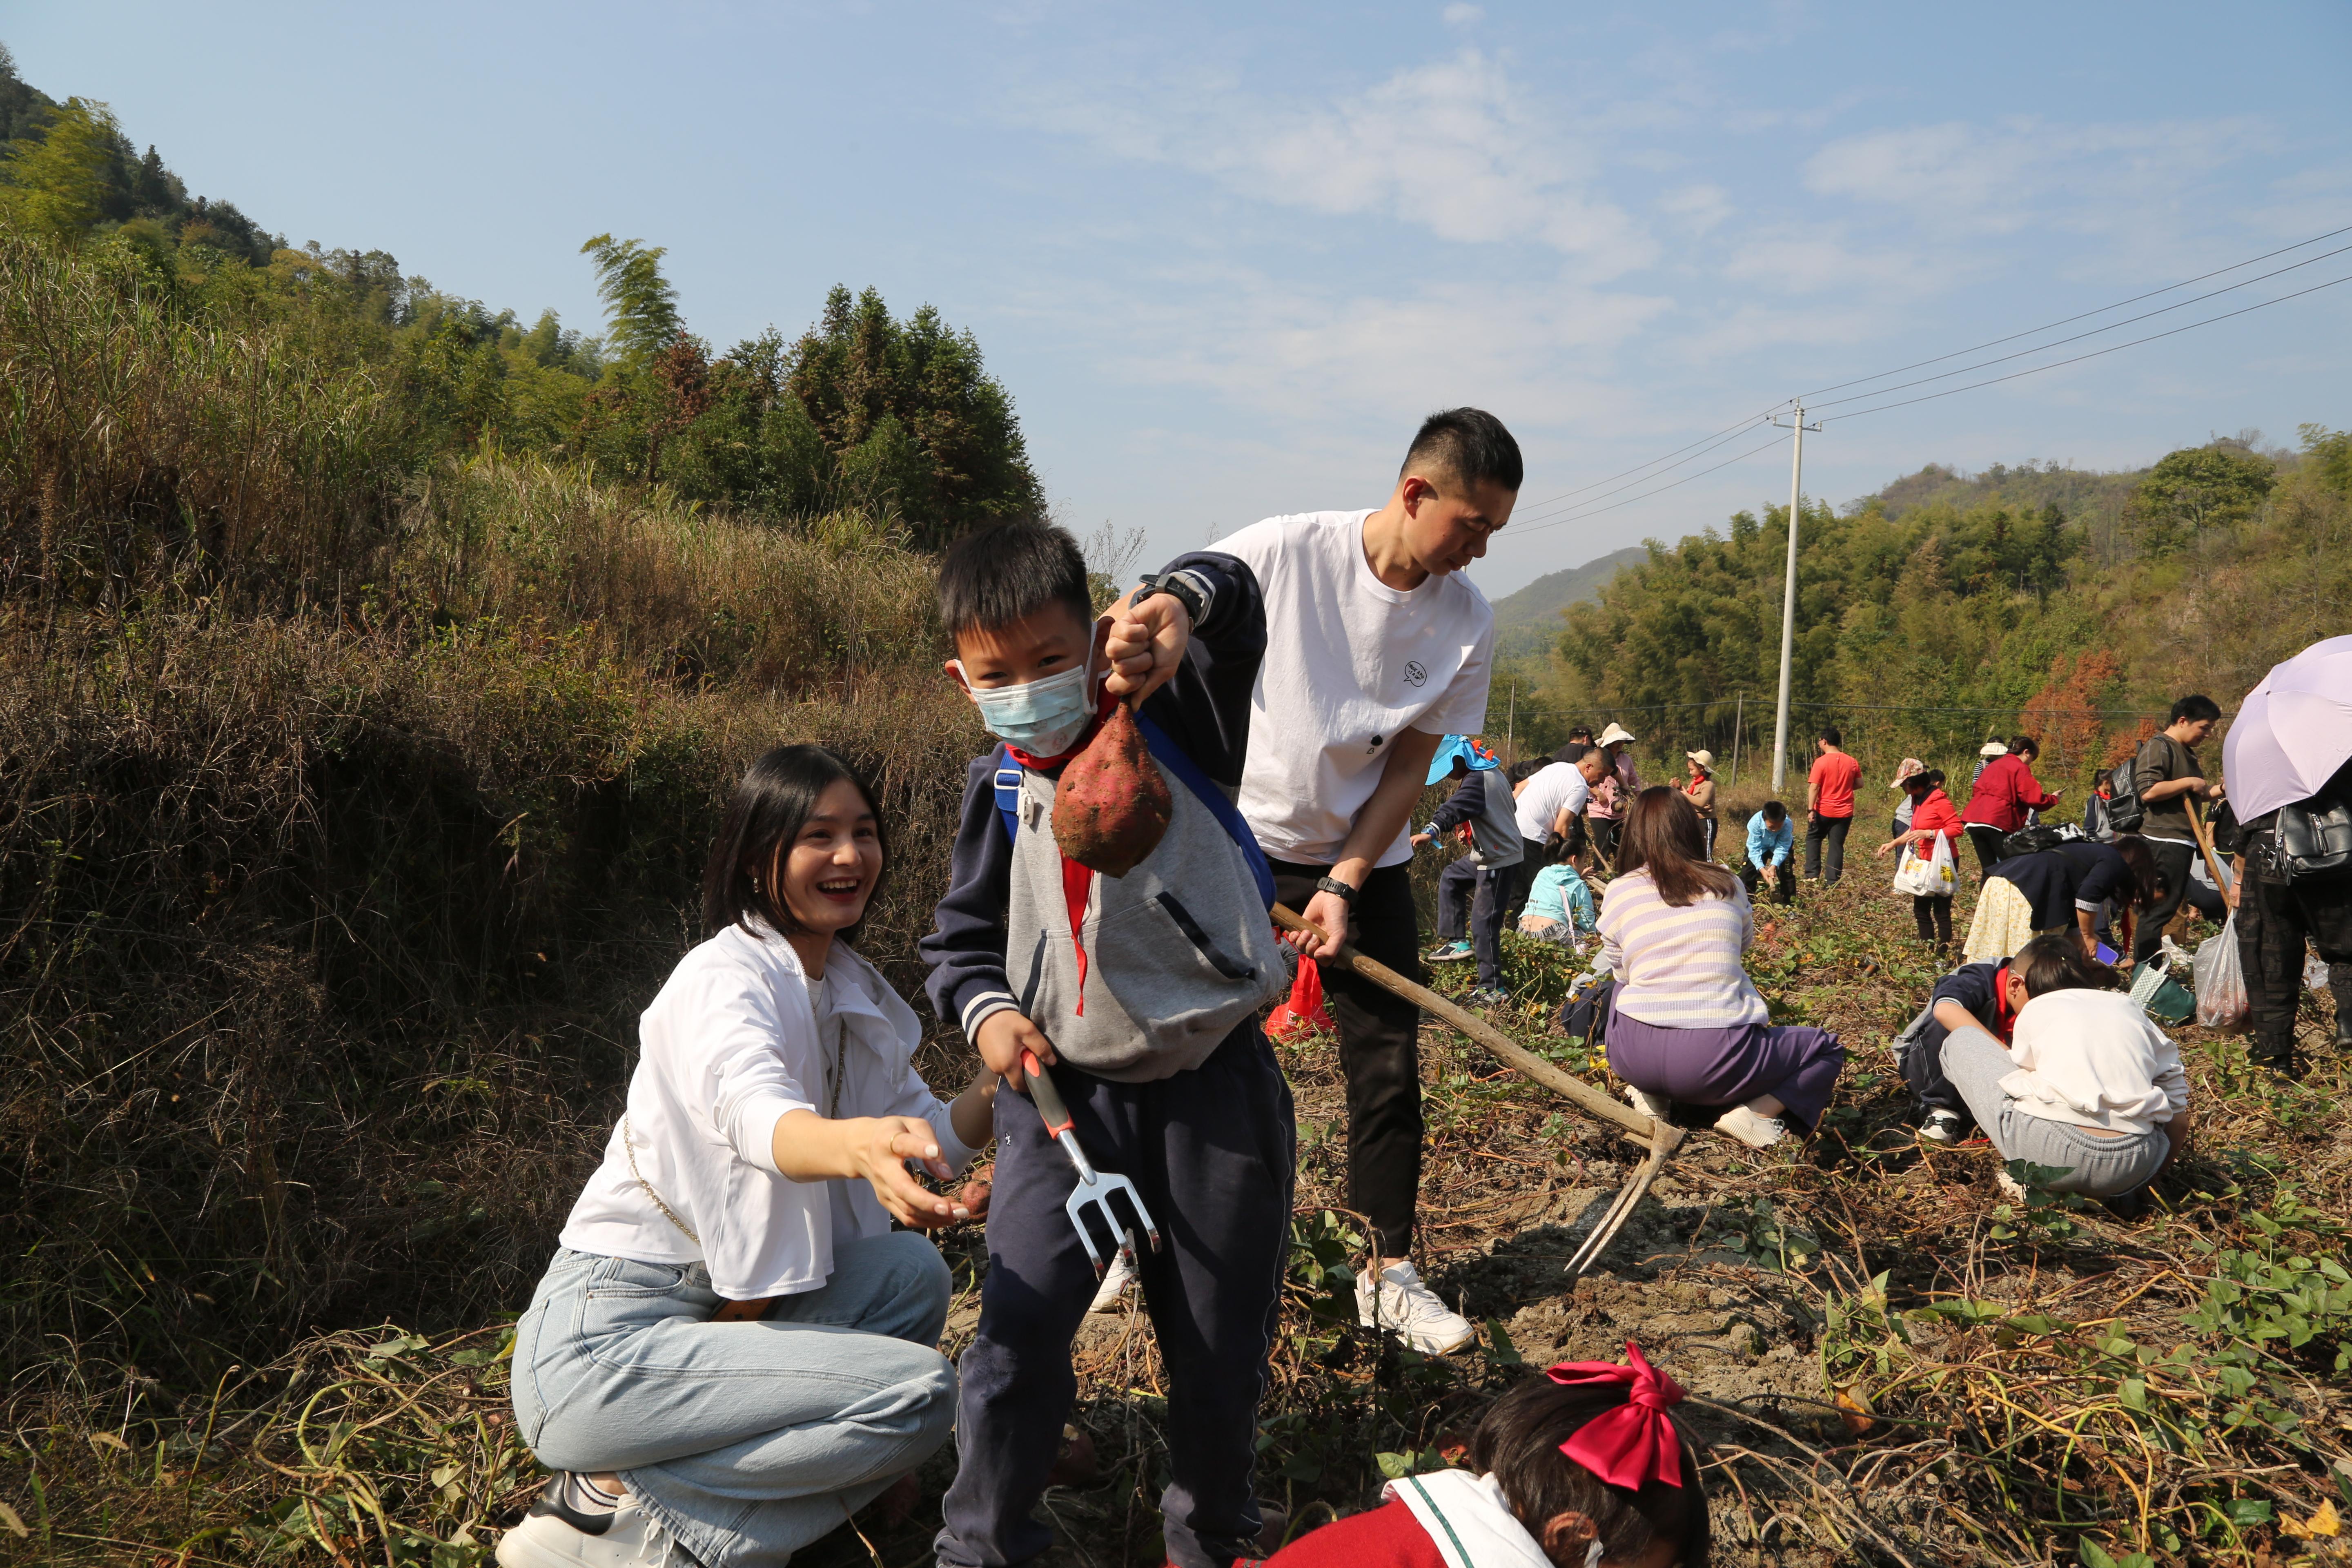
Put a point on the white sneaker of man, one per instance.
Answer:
(1115, 1282)
(549, 1537)
(1410, 1311)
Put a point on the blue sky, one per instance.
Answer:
(1224, 258)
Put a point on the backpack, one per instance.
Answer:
(2040, 837)
(1169, 755)
(2120, 790)
(2313, 838)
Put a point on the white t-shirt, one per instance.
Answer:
(1350, 664)
(736, 1039)
(1550, 789)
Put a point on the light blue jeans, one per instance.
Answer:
(2096, 1167)
(746, 1441)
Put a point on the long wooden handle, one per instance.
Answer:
(2205, 843)
(1484, 1034)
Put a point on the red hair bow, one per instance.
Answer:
(1634, 1443)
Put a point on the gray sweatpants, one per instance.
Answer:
(2097, 1167)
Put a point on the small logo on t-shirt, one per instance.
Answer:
(1414, 675)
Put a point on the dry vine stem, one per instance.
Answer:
(1662, 1137)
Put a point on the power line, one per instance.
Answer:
(1537, 508)
(2037, 370)
(1719, 439)
(1661, 490)
(2086, 315)
(2078, 337)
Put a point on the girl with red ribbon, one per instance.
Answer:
(1582, 1468)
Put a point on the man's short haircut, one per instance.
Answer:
(1010, 572)
(1775, 813)
(1829, 732)
(2196, 707)
(1581, 732)
(1471, 445)
(2024, 746)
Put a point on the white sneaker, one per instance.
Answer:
(1115, 1281)
(630, 1539)
(1410, 1311)
(1756, 1132)
(1944, 1128)
(1657, 1107)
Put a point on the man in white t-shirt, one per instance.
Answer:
(1375, 649)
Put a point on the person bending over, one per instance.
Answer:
(1989, 994)
(1686, 1023)
(2068, 887)
(1585, 1466)
(2003, 792)
(2087, 1084)
(1143, 993)
(732, 1350)
(1771, 840)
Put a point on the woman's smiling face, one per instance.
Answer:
(831, 866)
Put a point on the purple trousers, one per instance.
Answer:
(1795, 1062)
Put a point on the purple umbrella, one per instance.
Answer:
(2294, 731)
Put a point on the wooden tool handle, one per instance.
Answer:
(1484, 1034)
(2205, 844)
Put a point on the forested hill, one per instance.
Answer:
(1527, 623)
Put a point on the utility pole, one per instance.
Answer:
(1788, 600)
(1511, 724)
(1739, 712)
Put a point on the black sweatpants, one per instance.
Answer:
(1212, 1151)
(1784, 882)
(2172, 863)
(1379, 1048)
(1932, 912)
(1457, 889)
(1828, 832)
(2275, 920)
(1501, 892)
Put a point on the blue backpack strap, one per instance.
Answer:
(1008, 793)
(1172, 757)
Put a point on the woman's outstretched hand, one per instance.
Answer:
(880, 1147)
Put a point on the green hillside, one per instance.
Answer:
(1527, 624)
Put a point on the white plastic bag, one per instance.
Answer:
(2221, 982)
(1931, 878)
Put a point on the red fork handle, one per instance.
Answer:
(1047, 1098)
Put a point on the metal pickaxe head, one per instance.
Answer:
(1096, 1188)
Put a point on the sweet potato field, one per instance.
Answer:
(1887, 1362)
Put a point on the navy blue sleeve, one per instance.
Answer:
(1972, 987)
(2108, 877)
(1468, 799)
(965, 947)
(1204, 707)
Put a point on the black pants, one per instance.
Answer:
(1933, 912)
(1213, 1152)
(1784, 882)
(1380, 1048)
(1604, 842)
(1501, 892)
(1457, 887)
(1829, 832)
(2172, 863)
(2275, 920)
(1987, 841)
(1707, 835)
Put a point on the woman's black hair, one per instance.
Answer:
(2148, 877)
(1518, 1438)
(2025, 746)
(771, 806)
(2056, 960)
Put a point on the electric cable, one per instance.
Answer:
(2086, 315)
(1535, 508)
(1719, 439)
(1661, 490)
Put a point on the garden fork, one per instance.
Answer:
(1094, 1188)
(1663, 1138)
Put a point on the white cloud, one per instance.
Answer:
(1700, 207)
(1459, 16)
(1455, 147)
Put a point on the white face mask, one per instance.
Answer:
(1044, 718)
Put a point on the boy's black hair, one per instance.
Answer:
(1775, 812)
(1830, 733)
(2056, 960)
(1469, 444)
(2195, 707)
(1008, 573)
(1930, 778)
(770, 804)
(1528, 769)
(1518, 1441)
(1570, 752)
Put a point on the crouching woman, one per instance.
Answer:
(1686, 1023)
(732, 1350)
(2088, 1084)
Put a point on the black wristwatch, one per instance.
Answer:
(1176, 586)
(1333, 885)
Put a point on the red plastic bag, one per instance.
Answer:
(1304, 1011)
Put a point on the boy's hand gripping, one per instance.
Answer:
(1094, 1188)
(1145, 647)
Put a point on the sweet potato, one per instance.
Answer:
(1111, 806)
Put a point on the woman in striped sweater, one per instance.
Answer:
(1686, 1023)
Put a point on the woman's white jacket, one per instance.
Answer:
(731, 1044)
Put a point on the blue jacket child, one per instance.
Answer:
(1147, 988)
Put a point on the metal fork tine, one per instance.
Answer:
(1663, 1145)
